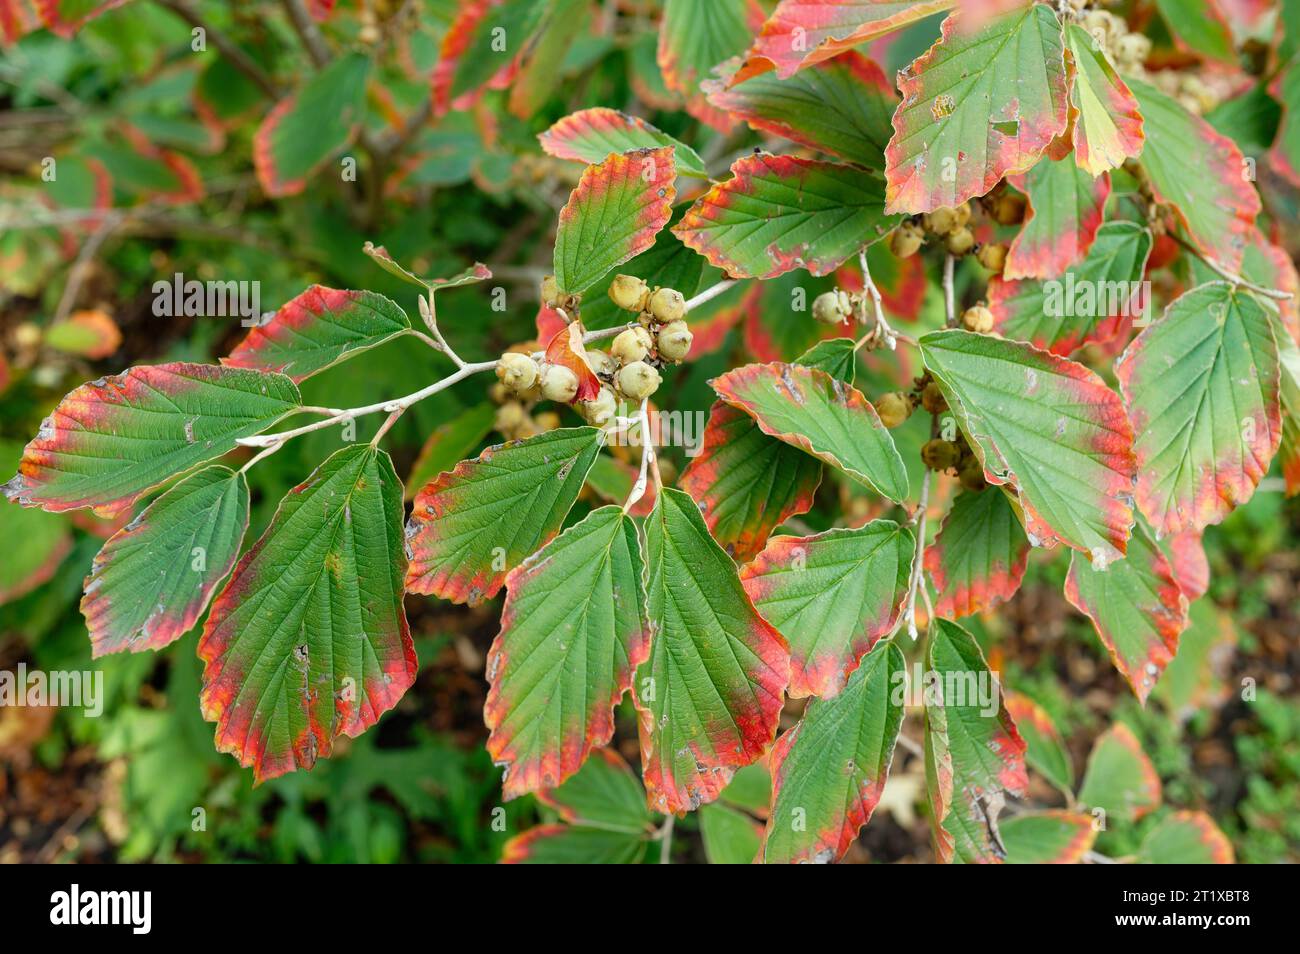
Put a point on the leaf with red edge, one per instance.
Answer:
(472, 525)
(605, 793)
(1120, 778)
(152, 580)
(1200, 25)
(542, 66)
(1065, 211)
(158, 174)
(1289, 446)
(972, 756)
(832, 596)
(843, 106)
(1186, 838)
(1136, 607)
(1044, 750)
(1048, 427)
(803, 32)
(573, 631)
(111, 440)
(66, 17)
(45, 539)
(309, 640)
(573, 845)
(1196, 680)
(1202, 389)
(1108, 129)
(777, 213)
(310, 125)
(777, 323)
(976, 107)
(979, 556)
(828, 771)
(1094, 301)
(566, 350)
(615, 213)
(17, 19)
(1199, 172)
(477, 272)
(695, 37)
(709, 697)
(590, 135)
(809, 409)
(1187, 562)
(1269, 265)
(318, 329)
(473, 57)
(91, 333)
(451, 442)
(1048, 838)
(1284, 155)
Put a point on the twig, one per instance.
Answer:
(76, 274)
(665, 836)
(647, 455)
(917, 580)
(230, 50)
(386, 426)
(438, 342)
(949, 296)
(710, 293)
(869, 286)
(1231, 276)
(307, 31)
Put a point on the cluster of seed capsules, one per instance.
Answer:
(939, 454)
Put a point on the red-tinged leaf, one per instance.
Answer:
(1044, 750)
(80, 183)
(1120, 778)
(1186, 838)
(1065, 210)
(542, 65)
(1048, 838)
(832, 596)
(1202, 389)
(1289, 447)
(481, 50)
(567, 350)
(605, 793)
(730, 837)
(1196, 678)
(843, 107)
(1095, 301)
(573, 631)
(91, 333)
(320, 10)
(590, 135)
(778, 323)
(1200, 25)
(1108, 129)
(973, 753)
(709, 697)
(153, 579)
(979, 556)
(1048, 427)
(66, 17)
(803, 32)
(829, 770)
(309, 641)
(111, 440)
(1188, 563)
(309, 126)
(477, 272)
(317, 330)
(1284, 155)
(978, 106)
(614, 214)
(815, 412)
(1136, 606)
(161, 175)
(472, 525)
(451, 442)
(573, 845)
(17, 19)
(1200, 173)
(777, 213)
(695, 37)
(1269, 265)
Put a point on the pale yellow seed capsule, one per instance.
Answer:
(559, 384)
(961, 241)
(832, 307)
(675, 341)
(627, 292)
(602, 362)
(978, 319)
(893, 408)
(667, 304)
(631, 345)
(509, 417)
(638, 380)
(905, 241)
(599, 410)
(516, 372)
(942, 220)
(550, 291)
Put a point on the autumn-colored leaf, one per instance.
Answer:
(979, 556)
(1045, 752)
(1108, 129)
(1186, 838)
(1048, 838)
(1065, 211)
(573, 845)
(46, 539)
(1120, 778)
(473, 56)
(590, 135)
(1284, 156)
(566, 350)
(449, 443)
(91, 333)
(604, 793)
(695, 37)
(1188, 563)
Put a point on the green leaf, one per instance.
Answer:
(750, 789)
(979, 556)
(837, 357)
(1108, 129)
(566, 845)
(981, 104)
(152, 580)
(450, 443)
(573, 631)
(1202, 389)
(730, 837)
(1048, 427)
(379, 255)
(309, 640)
(310, 125)
(317, 330)
(1120, 779)
(695, 37)
(831, 595)
(973, 753)
(1289, 393)
(710, 695)
(833, 421)
(1045, 752)
(1201, 26)
(1284, 155)
(778, 213)
(1186, 838)
(472, 525)
(1065, 210)
(614, 214)
(603, 794)
(471, 57)
(590, 135)
(111, 440)
(1047, 838)
(829, 770)
(1195, 678)
(46, 539)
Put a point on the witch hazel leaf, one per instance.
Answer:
(1120, 779)
(1201, 174)
(1045, 752)
(730, 837)
(1284, 155)
(566, 350)
(778, 213)
(978, 106)
(775, 325)
(472, 525)
(832, 596)
(477, 272)
(801, 33)
(1196, 679)
(1187, 562)
(979, 556)
(709, 697)
(573, 631)
(1048, 427)
(694, 38)
(1200, 25)
(65, 17)
(46, 539)
(1108, 129)
(590, 135)
(810, 410)
(604, 793)
(1065, 212)
(614, 214)
(1269, 265)
(842, 106)
(307, 127)
(828, 771)
(450, 442)
(573, 845)
(1202, 389)
(152, 580)
(111, 440)
(1289, 393)
(1048, 838)
(469, 59)
(1186, 838)
(318, 329)
(1094, 301)
(309, 640)
(974, 756)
